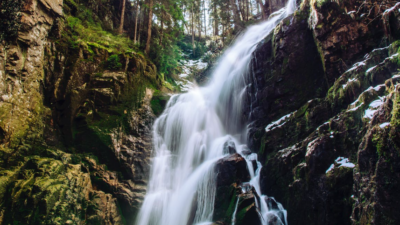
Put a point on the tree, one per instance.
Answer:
(147, 50)
(264, 16)
(136, 22)
(121, 25)
(236, 15)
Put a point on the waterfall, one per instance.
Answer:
(190, 134)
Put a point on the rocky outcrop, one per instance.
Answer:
(75, 133)
(55, 190)
(329, 155)
(231, 173)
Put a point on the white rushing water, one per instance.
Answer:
(190, 134)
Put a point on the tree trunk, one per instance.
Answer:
(215, 20)
(241, 10)
(200, 24)
(264, 16)
(121, 25)
(223, 35)
(193, 29)
(251, 9)
(205, 19)
(149, 27)
(136, 21)
(162, 28)
(247, 9)
(236, 15)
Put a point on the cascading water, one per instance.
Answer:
(190, 135)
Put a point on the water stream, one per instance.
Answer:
(190, 134)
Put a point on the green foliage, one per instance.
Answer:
(199, 50)
(85, 29)
(113, 62)
(10, 19)
(166, 59)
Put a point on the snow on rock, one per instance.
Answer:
(340, 162)
(372, 108)
(377, 88)
(370, 69)
(278, 123)
(355, 66)
(396, 76)
(348, 82)
(355, 108)
(187, 66)
(387, 11)
(383, 125)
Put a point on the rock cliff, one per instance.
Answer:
(322, 104)
(75, 121)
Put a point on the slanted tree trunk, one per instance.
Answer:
(236, 15)
(264, 16)
(121, 25)
(147, 50)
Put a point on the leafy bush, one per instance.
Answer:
(199, 50)
(10, 19)
(113, 62)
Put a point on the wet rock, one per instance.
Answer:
(231, 172)
(229, 147)
(247, 212)
(231, 169)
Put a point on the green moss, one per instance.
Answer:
(379, 140)
(90, 33)
(113, 62)
(395, 121)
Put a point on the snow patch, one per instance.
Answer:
(355, 66)
(278, 123)
(370, 69)
(383, 125)
(391, 9)
(372, 108)
(356, 108)
(348, 82)
(341, 162)
(396, 76)
(377, 88)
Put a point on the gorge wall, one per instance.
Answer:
(75, 120)
(324, 86)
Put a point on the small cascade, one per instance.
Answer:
(189, 138)
(234, 212)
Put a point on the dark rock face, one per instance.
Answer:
(231, 169)
(329, 73)
(287, 58)
(231, 172)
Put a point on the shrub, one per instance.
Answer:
(113, 62)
